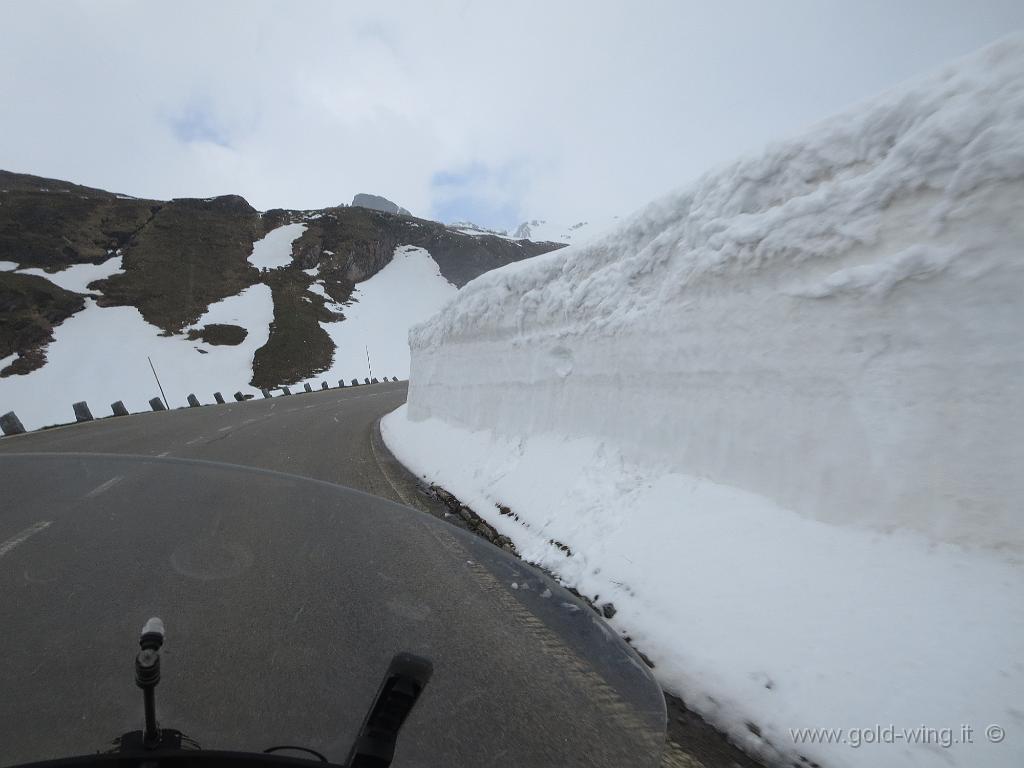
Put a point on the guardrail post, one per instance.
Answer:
(323, 385)
(365, 380)
(307, 387)
(266, 393)
(11, 424)
(355, 382)
(286, 390)
(374, 380)
(219, 398)
(82, 412)
(119, 409)
(341, 383)
(157, 404)
(394, 378)
(239, 396)
(193, 401)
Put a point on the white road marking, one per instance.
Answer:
(193, 442)
(17, 539)
(104, 487)
(224, 429)
(161, 455)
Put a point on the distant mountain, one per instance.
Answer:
(574, 233)
(378, 203)
(68, 251)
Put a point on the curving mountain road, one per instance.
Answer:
(324, 435)
(285, 597)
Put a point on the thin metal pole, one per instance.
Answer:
(152, 733)
(168, 405)
(368, 366)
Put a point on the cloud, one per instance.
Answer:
(563, 111)
(196, 124)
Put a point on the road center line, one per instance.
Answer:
(104, 487)
(17, 539)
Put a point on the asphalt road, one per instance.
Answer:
(285, 598)
(325, 435)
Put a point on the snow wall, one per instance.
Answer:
(835, 324)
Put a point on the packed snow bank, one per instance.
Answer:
(275, 249)
(750, 611)
(407, 291)
(778, 418)
(78, 276)
(99, 355)
(834, 325)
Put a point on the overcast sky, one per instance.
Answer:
(489, 111)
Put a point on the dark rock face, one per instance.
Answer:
(191, 254)
(30, 307)
(51, 224)
(217, 334)
(378, 203)
(298, 347)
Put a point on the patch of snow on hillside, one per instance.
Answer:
(78, 276)
(319, 290)
(275, 249)
(99, 355)
(7, 266)
(407, 291)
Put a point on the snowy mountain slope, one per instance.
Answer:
(174, 261)
(776, 419)
(100, 355)
(545, 231)
(378, 317)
